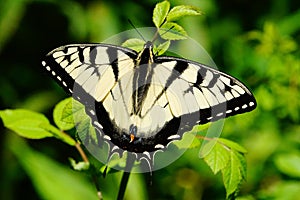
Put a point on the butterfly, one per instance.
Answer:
(139, 102)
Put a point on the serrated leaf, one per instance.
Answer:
(232, 176)
(134, 43)
(172, 31)
(178, 12)
(243, 166)
(62, 120)
(25, 123)
(162, 48)
(160, 13)
(232, 145)
(217, 158)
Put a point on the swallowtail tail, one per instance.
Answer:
(139, 102)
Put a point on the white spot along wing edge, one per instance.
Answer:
(213, 89)
(74, 67)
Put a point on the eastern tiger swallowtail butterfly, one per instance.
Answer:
(139, 102)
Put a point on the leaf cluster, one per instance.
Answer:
(225, 156)
(266, 59)
(168, 29)
(228, 157)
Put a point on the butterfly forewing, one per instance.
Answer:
(139, 102)
(93, 67)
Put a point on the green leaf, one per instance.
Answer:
(283, 190)
(32, 125)
(70, 110)
(62, 120)
(86, 131)
(172, 31)
(74, 112)
(289, 24)
(77, 18)
(79, 166)
(243, 166)
(11, 15)
(200, 128)
(59, 134)
(160, 13)
(232, 145)
(188, 141)
(178, 12)
(217, 158)
(51, 180)
(195, 144)
(162, 48)
(232, 176)
(25, 123)
(289, 164)
(134, 43)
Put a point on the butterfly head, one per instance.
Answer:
(132, 132)
(148, 45)
(146, 55)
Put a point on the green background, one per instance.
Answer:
(255, 41)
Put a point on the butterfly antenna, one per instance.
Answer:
(167, 30)
(157, 33)
(130, 22)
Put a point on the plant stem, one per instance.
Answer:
(129, 164)
(205, 138)
(94, 176)
(123, 185)
(81, 152)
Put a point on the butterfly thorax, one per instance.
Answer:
(142, 78)
(146, 55)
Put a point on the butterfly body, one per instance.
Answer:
(139, 102)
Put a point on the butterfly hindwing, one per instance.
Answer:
(139, 102)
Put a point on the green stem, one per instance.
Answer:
(94, 176)
(205, 138)
(129, 164)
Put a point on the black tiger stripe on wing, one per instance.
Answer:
(79, 63)
(230, 96)
(162, 97)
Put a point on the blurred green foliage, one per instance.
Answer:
(258, 42)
